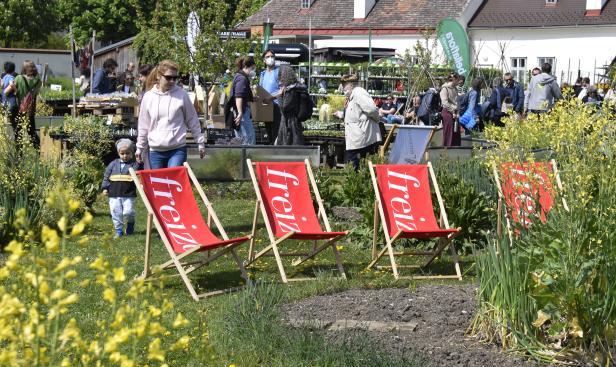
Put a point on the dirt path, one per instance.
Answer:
(441, 314)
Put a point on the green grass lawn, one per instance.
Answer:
(242, 328)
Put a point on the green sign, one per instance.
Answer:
(454, 40)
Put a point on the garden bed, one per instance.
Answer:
(439, 316)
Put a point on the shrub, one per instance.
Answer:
(40, 294)
(564, 271)
(24, 183)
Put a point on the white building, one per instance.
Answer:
(577, 37)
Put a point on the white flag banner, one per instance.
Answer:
(410, 144)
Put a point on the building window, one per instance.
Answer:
(551, 2)
(548, 60)
(518, 69)
(305, 4)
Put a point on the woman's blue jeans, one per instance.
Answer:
(247, 130)
(170, 158)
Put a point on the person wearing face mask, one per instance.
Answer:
(270, 81)
(515, 92)
(240, 90)
(361, 121)
(166, 114)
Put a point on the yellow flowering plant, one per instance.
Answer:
(134, 324)
(551, 292)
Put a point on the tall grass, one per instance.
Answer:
(252, 333)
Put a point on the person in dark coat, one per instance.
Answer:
(497, 98)
(515, 93)
(291, 130)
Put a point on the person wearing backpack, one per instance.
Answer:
(8, 98)
(26, 87)
(449, 114)
(494, 110)
(470, 118)
(291, 130)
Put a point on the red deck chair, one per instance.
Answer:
(283, 196)
(404, 206)
(527, 190)
(169, 200)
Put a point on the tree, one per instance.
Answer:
(113, 20)
(28, 22)
(163, 35)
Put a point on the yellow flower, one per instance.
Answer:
(181, 344)
(180, 321)
(51, 239)
(109, 295)
(16, 248)
(73, 204)
(118, 275)
(154, 311)
(87, 218)
(155, 352)
(156, 328)
(98, 264)
(78, 228)
(70, 274)
(62, 224)
(62, 265)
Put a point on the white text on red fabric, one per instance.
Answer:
(171, 217)
(280, 203)
(397, 183)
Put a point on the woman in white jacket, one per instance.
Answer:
(361, 127)
(165, 116)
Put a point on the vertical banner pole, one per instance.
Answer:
(72, 68)
(92, 62)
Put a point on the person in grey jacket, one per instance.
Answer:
(543, 91)
(361, 127)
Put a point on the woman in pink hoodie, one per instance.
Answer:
(166, 114)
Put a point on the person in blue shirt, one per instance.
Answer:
(270, 81)
(101, 82)
(470, 118)
(515, 92)
(8, 98)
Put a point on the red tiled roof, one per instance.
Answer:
(395, 16)
(535, 13)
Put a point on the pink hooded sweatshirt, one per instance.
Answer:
(164, 119)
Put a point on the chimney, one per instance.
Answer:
(361, 8)
(593, 7)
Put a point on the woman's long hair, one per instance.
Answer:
(159, 70)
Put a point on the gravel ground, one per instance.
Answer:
(442, 314)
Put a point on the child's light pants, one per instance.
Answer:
(122, 209)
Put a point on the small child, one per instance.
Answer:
(119, 186)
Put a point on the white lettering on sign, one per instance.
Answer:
(401, 206)
(455, 53)
(523, 200)
(171, 217)
(280, 203)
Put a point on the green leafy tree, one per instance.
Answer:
(113, 20)
(27, 22)
(163, 35)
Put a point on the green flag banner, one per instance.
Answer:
(454, 40)
(267, 32)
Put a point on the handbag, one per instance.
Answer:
(26, 105)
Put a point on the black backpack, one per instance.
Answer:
(463, 103)
(306, 105)
(429, 111)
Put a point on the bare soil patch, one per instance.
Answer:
(442, 314)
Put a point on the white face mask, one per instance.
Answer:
(347, 91)
(270, 61)
(252, 74)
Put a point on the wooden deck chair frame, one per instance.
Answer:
(501, 199)
(185, 268)
(443, 243)
(274, 242)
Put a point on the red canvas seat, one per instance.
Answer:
(285, 202)
(171, 205)
(404, 206)
(528, 192)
